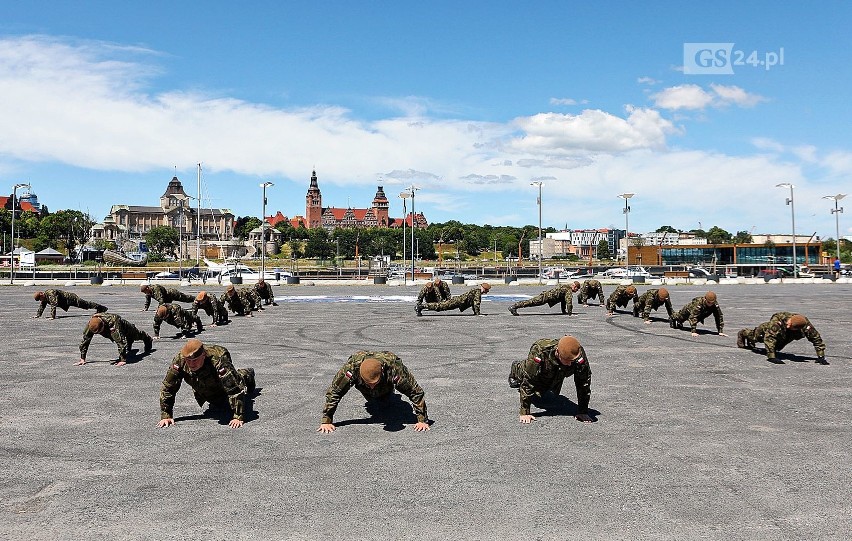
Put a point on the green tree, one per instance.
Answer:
(603, 250)
(717, 235)
(743, 237)
(244, 226)
(666, 229)
(162, 240)
(318, 244)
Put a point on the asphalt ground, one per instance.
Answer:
(694, 439)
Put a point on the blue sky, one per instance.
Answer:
(103, 102)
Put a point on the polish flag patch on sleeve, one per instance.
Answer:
(537, 359)
(349, 374)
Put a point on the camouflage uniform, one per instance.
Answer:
(57, 298)
(264, 292)
(212, 307)
(696, 311)
(432, 293)
(561, 294)
(395, 375)
(166, 294)
(775, 335)
(542, 372)
(619, 298)
(120, 331)
(216, 382)
(589, 290)
(243, 303)
(179, 317)
(471, 299)
(650, 300)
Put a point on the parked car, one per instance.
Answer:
(250, 275)
(770, 274)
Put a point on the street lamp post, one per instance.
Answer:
(413, 189)
(180, 241)
(837, 211)
(539, 184)
(265, 185)
(793, 214)
(404, 196)
(12, 253)
(626, 197)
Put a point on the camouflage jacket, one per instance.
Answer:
(542, 371)
(56, 298)
(264, 292)
(244, 302)
(432, 293)
(395, 375)
(215, 381)
(212, 307)
(175, 315)
(776, 335)
(651, 301)
(620, 297)
(696, 311)
(589, 290)
(165, 295)
(118, 329)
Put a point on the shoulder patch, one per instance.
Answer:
(348, 374)
(222, 371)
(581, 360)
(176, 367)
(396, 379)
(537, 359)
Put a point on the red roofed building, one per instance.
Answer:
(333, 217)
(25, 206)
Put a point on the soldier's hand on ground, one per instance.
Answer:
(722, 334)
(694, 334)
(165, 422)
(235, 423)
(647, 322)
(326, 428)
(34, 317)
(584, 418)
(526, 419)
(608, 314)
(119, 363)
(81, 362)
(421, 427)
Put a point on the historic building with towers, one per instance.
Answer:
(333, 217)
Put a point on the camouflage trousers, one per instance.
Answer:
(219, 401)
(456, 302)
(538, 300)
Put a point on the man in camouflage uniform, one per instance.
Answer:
(209, 371)
(563, 294)
(781, 329)
(375, 374)
(57, 298)
(163, 295)
(697, 310)
(241, 301)
(435, 291)
(211, 306)
(264, 291)
(589, 290)
(549, 362)
(176, 316)
(652, 300)
(620, 297)
(117, 329)
(471, 299)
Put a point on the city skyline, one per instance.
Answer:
(471, 103)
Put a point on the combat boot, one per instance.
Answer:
(635, 311)
(248, 378)
(513, 311)
(741, 339)
(100, 308)
(821, 360)
(149, 343)
(513, 383)
(418, 309)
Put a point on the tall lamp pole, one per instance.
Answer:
(265, 185)
(404, 196)
(626, 197)
(837, 211)
(12, 253)
(539, 184)
(411, 190)
(793, 214)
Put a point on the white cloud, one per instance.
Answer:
(562, 101)
(592, 130)
(647, 81)
(693, 97)
(735, 95)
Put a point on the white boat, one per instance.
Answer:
(631, 271)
